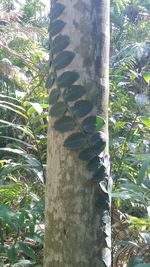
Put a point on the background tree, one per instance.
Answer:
(77, 201)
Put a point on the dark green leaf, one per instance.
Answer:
(56, 27)
(49, 81)
(82, 108)
(75, 141)
(60, 43)
(54, 96)
(12, 254)
(100, 174)
(63, 59)
(102, 202)
(73, 93)
(87, 154)
(93, 164)
(58, 109)
(27, 250)
(67, 78)
(98, 141)
(57, 11)
(6, 213)
(64, 124)
(89, 124)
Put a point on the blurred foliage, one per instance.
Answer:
(130, 131)
(23, 131)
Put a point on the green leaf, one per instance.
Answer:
(12, 254)
(87, 154)
(58, 109)
(59, 43)
(100, 122)
(93, 164)
(146, 120)
(35, 107)
(142, 171)
(82, 108)
(38, 118)
(6, 213)
(67, 78)
(57, 11)
(102, 202)
(98, 138)
(63, 59)
(56, 27)
(146, 77)
(89, 124)
(49, 81)
(64, 124)
(73, 93)
(55, 93)
(100, 174)
(75, 141)
(27, 250)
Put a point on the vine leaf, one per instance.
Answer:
(63, 59)
(64, 124)
(82, 108)
(102, 202)
(89, 124)
(56, 27)
(93, 164)
(75, 141)
(49, 81)
(59, 43)
(57, 11)
(73, 93)
(87, 154)
(67, 78)
(98, 141)
(58, 109)
(55, 93)
(100, 174)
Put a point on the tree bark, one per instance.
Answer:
(77, 231)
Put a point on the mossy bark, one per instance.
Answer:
(75, 233)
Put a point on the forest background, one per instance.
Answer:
(24, 59)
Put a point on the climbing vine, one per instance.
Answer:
(73, 112)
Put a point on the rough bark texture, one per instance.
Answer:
(74, 236)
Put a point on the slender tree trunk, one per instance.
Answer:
(77, 213)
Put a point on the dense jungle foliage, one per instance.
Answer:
(24, 63)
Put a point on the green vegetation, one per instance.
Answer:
(23, 130)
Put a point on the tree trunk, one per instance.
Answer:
(77, 213)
